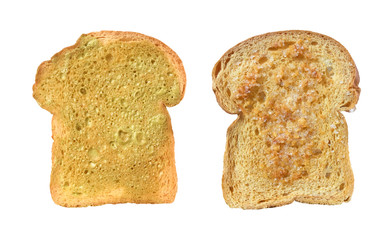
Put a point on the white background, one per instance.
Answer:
(200, 32)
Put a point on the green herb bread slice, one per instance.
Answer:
(113, 139)
(289, 142)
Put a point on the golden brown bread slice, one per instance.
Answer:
(289, 142)
(113, 140)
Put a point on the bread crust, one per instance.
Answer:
(233, 195)
(167, 191)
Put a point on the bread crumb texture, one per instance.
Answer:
(113, 140)
(290, 139)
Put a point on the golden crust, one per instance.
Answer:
(167, 190)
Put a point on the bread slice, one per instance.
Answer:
(289, 142)
(113, 139)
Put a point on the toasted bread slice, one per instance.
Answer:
(113, 140)
(289, 142)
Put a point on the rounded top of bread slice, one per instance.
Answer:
(52, 75)
(335, 60)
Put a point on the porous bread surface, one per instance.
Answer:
(290, 139)
(113, 139)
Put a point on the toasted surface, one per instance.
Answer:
(113, 140)
(289, 142)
